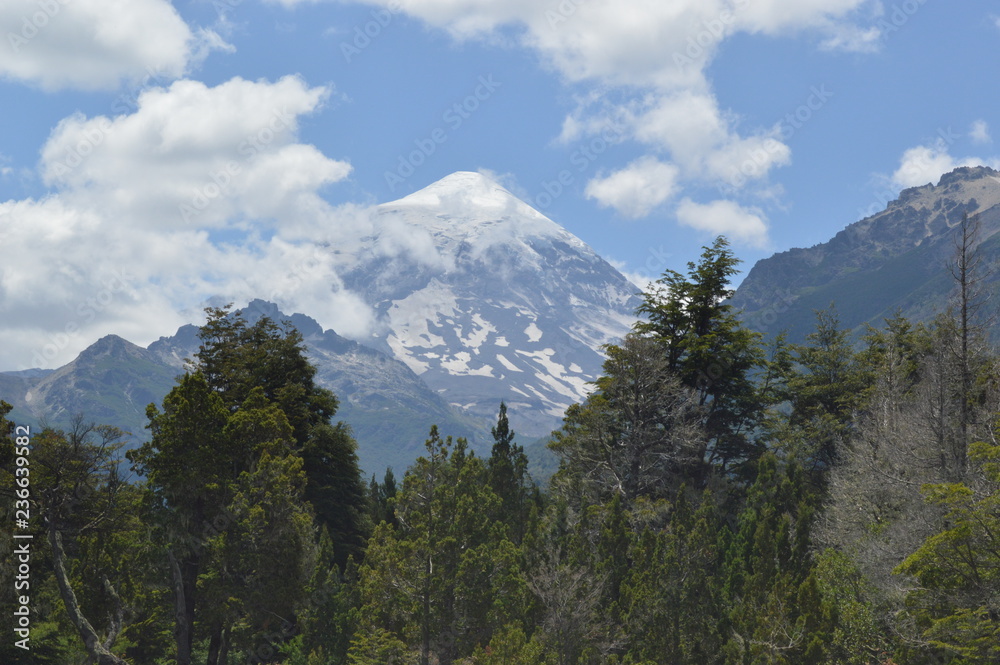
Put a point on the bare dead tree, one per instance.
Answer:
(969, 271)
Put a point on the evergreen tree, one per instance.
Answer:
(381, 499)
(638, 434)
(707, 347)
(507, 469)
(236, 358)
(447, 576)
(825, 391)
(190, 467)
(957, 569)
(242, 460)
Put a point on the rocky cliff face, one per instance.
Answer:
(894, 260)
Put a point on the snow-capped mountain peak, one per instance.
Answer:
(487, 299)
(470, 209)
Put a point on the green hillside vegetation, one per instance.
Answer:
(718, 499)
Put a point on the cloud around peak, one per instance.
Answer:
(198, 192)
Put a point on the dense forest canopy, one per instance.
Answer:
(720, 499)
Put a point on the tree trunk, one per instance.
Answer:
(183, 608)
(215, 646)
(97, 649)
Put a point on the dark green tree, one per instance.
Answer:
(335, 489)
(507, 469)
(236, 358)
(381, 499)
(190, 466)
(825, 390)
(708, 348)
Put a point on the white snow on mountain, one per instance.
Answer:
(492, 300)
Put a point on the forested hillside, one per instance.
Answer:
(718, 501)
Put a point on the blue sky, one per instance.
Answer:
(154, 154)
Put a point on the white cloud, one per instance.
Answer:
(980, 132)
(726, 218)
(630, 42)
(96, 44)
(638, 188)
(194, 155)
(926, 164)
(853, 39)
(654, 57)
(656, 54)
(121, 255)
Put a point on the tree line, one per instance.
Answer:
(720, 499)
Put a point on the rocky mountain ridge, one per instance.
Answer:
(894, 260)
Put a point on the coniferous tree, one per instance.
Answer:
(708, 348)
(243, 453)
(236, 358)
(638, 434)
(448, 575)
(957, 569)
(507, 469)
(825, 390)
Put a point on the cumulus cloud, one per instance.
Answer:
(191, 155)
(96, 44)
(654, 56)
(926, 164)
(200, 192)
(637, 189)
(980, 132)
(726, 218)
(631, 42)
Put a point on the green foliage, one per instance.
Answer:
(242, 467)
(379, 647)
(448, 575)
(824, 392)
(674, 606)
(861, 634)
(709, 350)
(705, 512)
(958, 568)
(236, 359)
(510, 646)
(507, 471)
(335, 490)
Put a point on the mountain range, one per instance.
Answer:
(479, 298)
(496, 302)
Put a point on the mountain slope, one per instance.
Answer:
(389, 408)
(493, 301)
(110, 382)
(894, 260)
